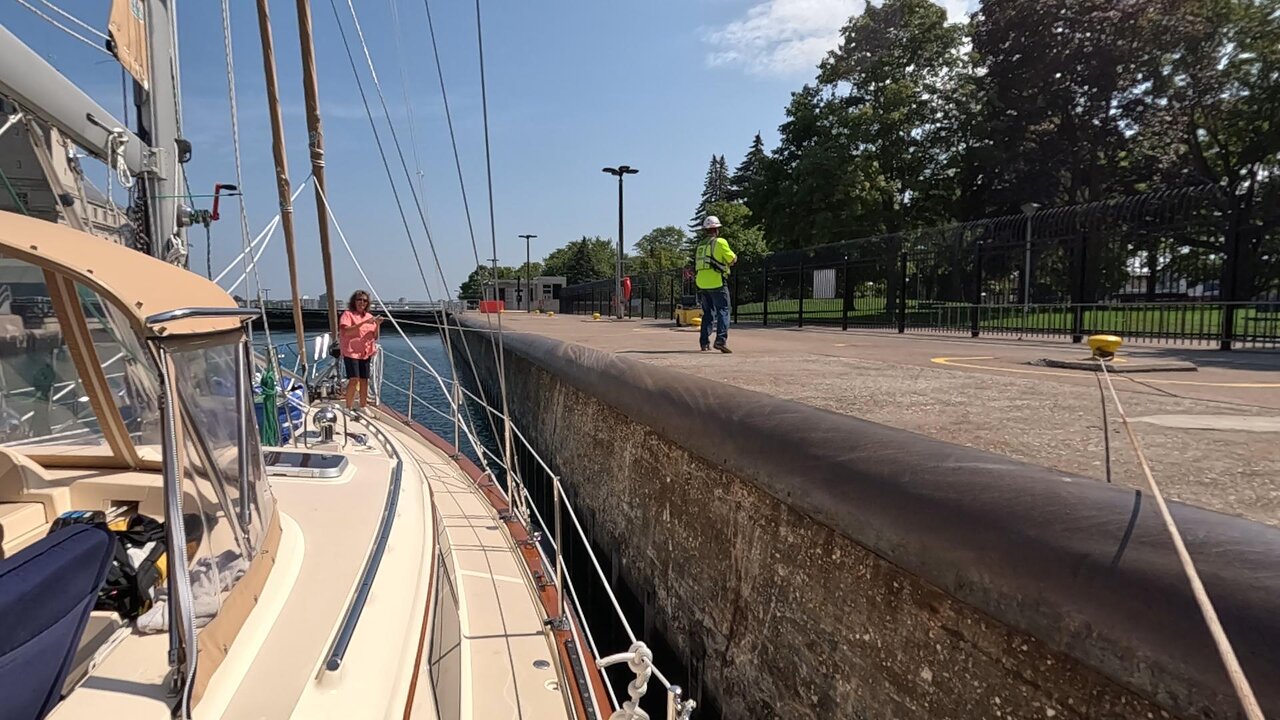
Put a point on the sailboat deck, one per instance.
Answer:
(494, 659)
(449, 563)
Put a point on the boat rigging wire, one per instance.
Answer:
(418, 202)
(386, 165)
(74, 19)
(518, 492)
(404, 90)
(1244, 692)
(395, 137)
(568, 506)
(453, 137)
(250, 264)
(64, 28)
(493, 239)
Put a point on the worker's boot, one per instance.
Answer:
(723, 347)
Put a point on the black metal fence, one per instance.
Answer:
(1169, 267)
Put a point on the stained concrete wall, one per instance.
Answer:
(819, 566)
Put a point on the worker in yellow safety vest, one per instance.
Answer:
(712, 262)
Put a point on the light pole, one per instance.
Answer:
(619, 171)
(528, 281)
(1028, 209)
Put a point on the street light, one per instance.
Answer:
(528, 282)
(1028, 209)
(619, 171)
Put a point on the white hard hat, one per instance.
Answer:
(711, 222)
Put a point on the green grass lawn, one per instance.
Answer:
(1174, 319)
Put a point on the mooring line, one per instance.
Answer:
(1244, 692)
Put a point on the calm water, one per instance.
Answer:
(431, 408)
(431, 403)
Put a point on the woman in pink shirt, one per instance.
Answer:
(357, 336)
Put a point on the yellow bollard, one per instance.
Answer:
(595, 316)
(1104, 346)
(550, 314)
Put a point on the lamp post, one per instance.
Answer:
(1028, 209)
(528, 281)
(619, 171)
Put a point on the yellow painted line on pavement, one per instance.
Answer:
(955, 362)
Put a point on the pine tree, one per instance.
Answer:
(748, 173)
(715, 188)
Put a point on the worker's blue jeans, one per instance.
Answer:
(715, 309)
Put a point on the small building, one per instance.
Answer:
(516, 296)
(59, 191)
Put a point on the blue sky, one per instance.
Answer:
(573, 86)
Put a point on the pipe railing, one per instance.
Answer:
(464, 428)
(677, 706)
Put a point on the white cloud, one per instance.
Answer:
(781, 37)
(958, 10)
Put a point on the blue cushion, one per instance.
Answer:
(46, 594)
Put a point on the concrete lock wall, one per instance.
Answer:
(815, 565)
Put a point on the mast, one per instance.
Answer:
(282, 170)
(316, 133)
(160, 121)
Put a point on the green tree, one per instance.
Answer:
(661, 248)
(748, 173)
(715, 188)
(1065, 80)
(809, 190)
(531, 270)
(745, 236)
(583, 260)
(472, 287)
(1216, 85)
(891, 77)
(875, 144)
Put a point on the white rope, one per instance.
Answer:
(116, 143)
(11, 119)
(65, 29)
(686, 707)
(253, 263)
(75, 19)
(640, 659)
(1244, 692)
(266, 234)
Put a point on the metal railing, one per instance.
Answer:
(1168, 266)
(551, 542)
(342, 642)
(837, 295)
